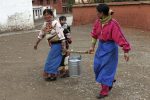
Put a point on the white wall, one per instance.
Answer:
(16, 15)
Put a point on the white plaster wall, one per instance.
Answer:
(16, 15)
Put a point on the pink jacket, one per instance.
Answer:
(110, 31)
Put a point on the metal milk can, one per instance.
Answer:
(74, 65)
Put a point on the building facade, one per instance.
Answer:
(40, 5)
(17, 15)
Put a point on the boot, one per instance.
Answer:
(104, 92)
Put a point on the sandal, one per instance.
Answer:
(51, 77)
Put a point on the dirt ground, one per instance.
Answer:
(21, 69)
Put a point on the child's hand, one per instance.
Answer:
(126, 57)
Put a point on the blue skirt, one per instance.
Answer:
(54, 59)
(105, 62)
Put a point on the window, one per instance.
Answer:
(54, 1)
(40, 12)
(36, 12)
(48, 1)
(41, 2)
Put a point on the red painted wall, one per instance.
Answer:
(57, 5)
(135, 14)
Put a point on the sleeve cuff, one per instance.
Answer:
(94, 41)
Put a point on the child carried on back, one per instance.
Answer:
(63, 69)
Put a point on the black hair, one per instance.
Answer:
(103, 8)
(62, 18)
(49, 11)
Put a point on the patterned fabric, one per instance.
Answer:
(58, 29)
(105, 20)
(67, 34)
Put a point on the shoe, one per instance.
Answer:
(64, 74)
(101, 96)
(51, 79)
